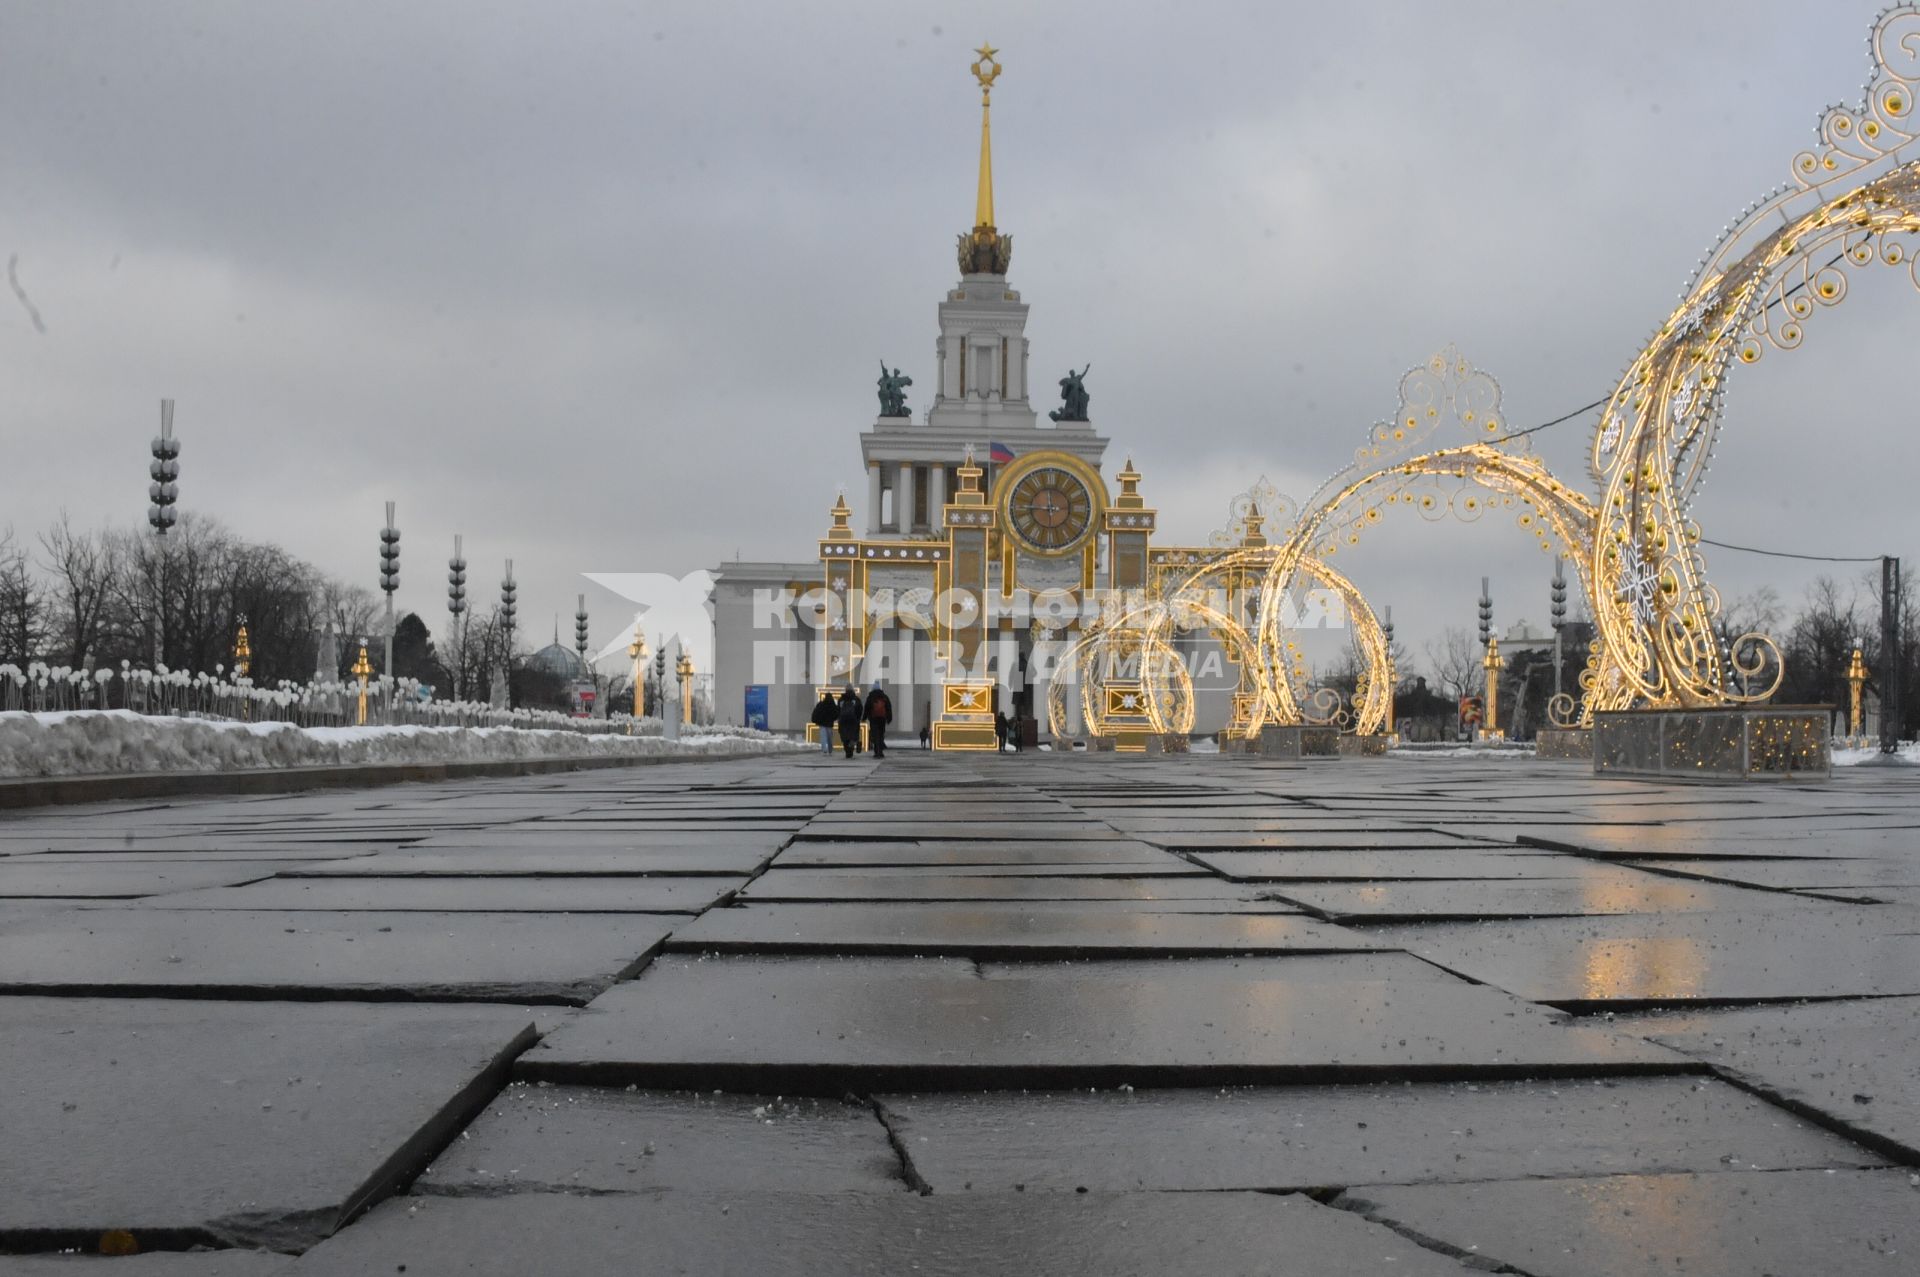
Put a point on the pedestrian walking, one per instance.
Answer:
(879, 712)
(849, 720)
(825, 715)
(926, 726)
(1000, 732)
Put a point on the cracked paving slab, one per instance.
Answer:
(244, 1123)
(559, 894)
(1857, 1063)
(504, 957)
(189, 1263)
(1630, 961)
(1360, 865)
(827, 885)
(1861, 1223)
(996, 931)
(1307, 1138)
(576, 1139)
(817, 1235)
(606, 862)
(1574, 890)
(829, 1025)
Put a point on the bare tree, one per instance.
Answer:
(22, 614)
(1455, 660)
(81, 566)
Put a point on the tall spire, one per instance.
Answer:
(986, 70)
(983, 250)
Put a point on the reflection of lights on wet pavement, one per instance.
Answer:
(1643, 967)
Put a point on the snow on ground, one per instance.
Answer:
(91, 742)
(1909, 754)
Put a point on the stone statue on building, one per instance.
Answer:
(893, 392)
(1073, 397)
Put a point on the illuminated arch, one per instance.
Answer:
(1851, 202)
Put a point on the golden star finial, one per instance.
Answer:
(987, 68)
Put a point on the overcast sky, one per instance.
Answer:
(602, 285)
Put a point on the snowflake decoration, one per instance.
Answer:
(1610, 437)
(1697, 314)
(1684, 397)
(1640, 587)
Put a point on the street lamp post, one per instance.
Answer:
(457, 606)
(1492, 665)
(362, 667)
(1393, 678)
(509, 611)
(1857, 675)
(580, 645)
(389, 579)
(243, 666)
(161, 495)
(637, 653)
(1559, 616)
(683, 670)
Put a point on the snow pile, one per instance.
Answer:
(1909, 754)
(91, 742)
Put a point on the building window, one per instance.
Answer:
(1003, 367)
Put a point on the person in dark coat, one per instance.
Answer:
(879, 712)
(1000, 726)
(824, 716)
(849, 720)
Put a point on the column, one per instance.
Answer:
(873, 498)
(937, 486)
(903, 510)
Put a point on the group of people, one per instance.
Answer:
(848, 713)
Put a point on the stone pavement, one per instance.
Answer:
(1023, 1014)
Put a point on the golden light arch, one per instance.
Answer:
(1851, 202)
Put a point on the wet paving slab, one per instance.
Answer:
(557, 894)
(33, 876)
(826, 1026)
(965, 930)
(1643, 960)
(1696, 841)
(573, 1139)
(1315, 1138)
(1193, 976)
(812, 1234)
(933, 853)
(1187, 838)
(1827, 873)
(474, 864)
(237, 1123)
(531, 841)
(1711, 1225)
(1385, 866)
(194, 1262)
(507, 957)
(878, 885)
(1855, 1064)
(1586, 889)
(1165, 867)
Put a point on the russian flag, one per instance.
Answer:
(999, 453)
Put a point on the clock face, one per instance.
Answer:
(1050, 510)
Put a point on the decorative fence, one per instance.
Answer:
(42, 688)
